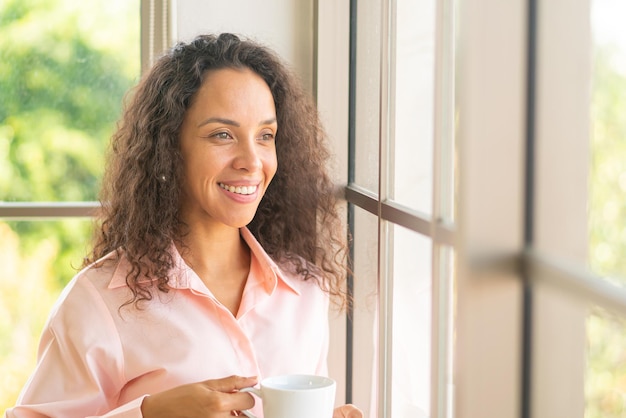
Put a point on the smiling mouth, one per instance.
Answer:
(238, 189)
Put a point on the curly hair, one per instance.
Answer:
(296, 221)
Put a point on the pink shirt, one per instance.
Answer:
(97, 360)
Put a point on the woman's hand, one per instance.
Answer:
(347, 411)
(208, 399)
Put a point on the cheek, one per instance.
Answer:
(193, 166)
(196, 174)
(203, 162)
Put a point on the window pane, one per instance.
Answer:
(605, 385)
(64, 68)
(607, 208)
(367, 95)
(414, 95)
(37, 258)
(411, 324)
(365, 358)
(604, 380)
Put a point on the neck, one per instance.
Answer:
(221, 259)
(216, 253)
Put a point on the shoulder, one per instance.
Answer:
(88, 297)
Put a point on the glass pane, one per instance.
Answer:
(38, 259)
(605, 385)
(414, 110)
(365, 312)
(64, 68)
(607, 206)
(411, 324)
(367, 95)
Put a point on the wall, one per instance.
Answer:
(284, 25)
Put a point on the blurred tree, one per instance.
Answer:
(64, 69)
(61, 91)
(605, 382)
(607, 206)
(26, 296)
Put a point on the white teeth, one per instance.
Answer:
(239, 189)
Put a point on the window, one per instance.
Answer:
(506, 250)
(604, 389)
(64, 68)
(524, 74)
(400, 193)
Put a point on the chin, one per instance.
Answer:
(240, 223)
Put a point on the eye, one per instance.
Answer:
(222, 135)
(267, 137)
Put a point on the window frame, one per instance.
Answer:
(439, 227)
(543, 262)
(156, 35)
(502, 281)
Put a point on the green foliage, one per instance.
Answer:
(61, 97)
(63, 76)
(605, 382)
(64, 69)
(26, 297)
(607, 209)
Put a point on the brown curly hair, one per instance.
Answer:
(296, 221)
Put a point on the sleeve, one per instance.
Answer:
(80, 365)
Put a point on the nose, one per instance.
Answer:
(248, 155)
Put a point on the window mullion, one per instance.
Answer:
(157, 30)
(440, 404)
(47, 210)
(385, 229)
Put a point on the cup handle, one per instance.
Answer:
(257, 392)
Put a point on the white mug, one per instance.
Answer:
(295, 395)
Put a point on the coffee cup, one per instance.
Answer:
(295, 395)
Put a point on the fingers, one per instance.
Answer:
(231, 383)
(213, 402)
(237, 402)
(231, 399)
(211, 398)
(347, 411)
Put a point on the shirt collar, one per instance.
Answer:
(271, 272)
(183, 277)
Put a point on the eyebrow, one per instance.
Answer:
(232, 122)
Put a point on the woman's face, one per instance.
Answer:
(227, 144)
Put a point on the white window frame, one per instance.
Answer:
(523, 299)
(522, 287)
(333, 96)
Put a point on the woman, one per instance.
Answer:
(218, 252)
